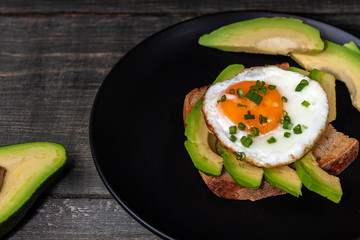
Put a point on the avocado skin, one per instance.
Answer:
(7, 225)
(242, 173)
(317, 180)
(284, 178)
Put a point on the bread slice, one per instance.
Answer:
(334, 152)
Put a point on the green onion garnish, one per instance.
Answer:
(284, 99)
(241, 105)
(271, 140)
(287, 134)
(249, 116)
(240, 155)
(232, 91)
(223, 98)
(232, 130)
(240, 92)
(303, 83)
(297, 129)
(271, 87)
(246, 141)
(263, 90)
(254, 131)
(305, 103)
(304, 126)
(287, 125)
(262, 119)
(241, 126)
(253, 96)
(233, 138)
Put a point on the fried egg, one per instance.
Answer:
(271, 115)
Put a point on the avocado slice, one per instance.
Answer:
(276, 35)
(316, 179)
(284, 178)
(351, 45)
(242, 173)
(229, 72)
(30, 168)
(298, 70)
(339, 61)
(327, 81)
(197, 145)
(197, 133)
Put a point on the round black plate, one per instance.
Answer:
(137, 140)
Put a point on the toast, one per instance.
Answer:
(334, 152)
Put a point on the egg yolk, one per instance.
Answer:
(235, 108)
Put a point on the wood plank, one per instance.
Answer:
(79, 219)
(51, 70)
(176, 7)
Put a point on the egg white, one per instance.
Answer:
(285, 150)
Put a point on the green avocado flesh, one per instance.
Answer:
(339, 61)
(28, 166)
(316, 179)
(352, 46)
(198, 146)
(242, 173)
(298, 70)
(276, 35)
(229, 72)
(327, 81)
(284, 178)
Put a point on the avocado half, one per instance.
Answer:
(278, 35)
(30, 168)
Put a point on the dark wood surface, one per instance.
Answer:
(53, 58)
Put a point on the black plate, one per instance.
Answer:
(137, 140)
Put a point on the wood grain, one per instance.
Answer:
(54, 56)
(176, 7)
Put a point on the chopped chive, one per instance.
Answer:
(241, 126)
(305, 127)
(287, 125)
(271, 87)
(263, 90)
(249, 116)
(233, 138)
(253, 96)
(240, 155)
(287, 134)
(262, 119)
(223, 98)
(254, 131)
(284, 99)
(284, 113)
(232, 130)
(246, 141)
(281, 121)
(240, 92)
(241, 105)
(303, 83)
(271, 140)
(297, 129)
(305, 103)
(232, 91)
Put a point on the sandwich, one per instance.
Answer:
(266, 131)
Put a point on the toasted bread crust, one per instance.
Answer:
(332, 156)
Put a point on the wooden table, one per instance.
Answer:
(54, 56)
